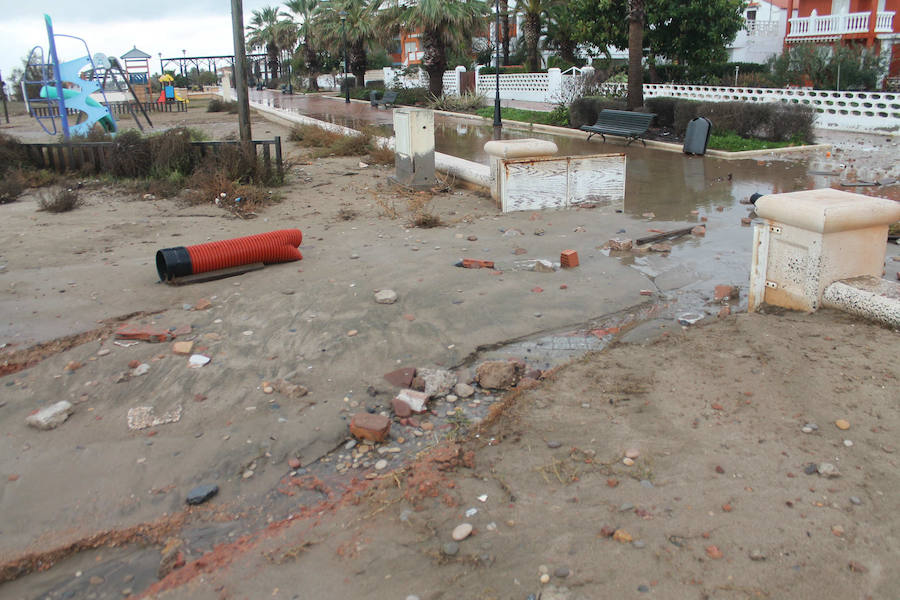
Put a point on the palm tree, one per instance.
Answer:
(305, 13)
(504, 29)
(636, 17)
(532, 12)
(443, 24)
(361, 27)
(286, 40)
(261, 34)
(561, 32)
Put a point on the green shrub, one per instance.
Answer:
(685, 110)
(468, 102)
(377, 84)
(664, 108)
(584, 111)
(708, 74)
(219, 105)
(12, 152)
(732, 142)
(507, 70)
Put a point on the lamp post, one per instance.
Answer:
(498, 123)
(343, 15)
(161, 73)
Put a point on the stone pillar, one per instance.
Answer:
(554, 85)
(811, 239)
(520, 148)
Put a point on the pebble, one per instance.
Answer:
(141, 369)
(103, 352)
(842, 424)
(855, 500)
(294, 463)
(810, 468)
(381, 464)
(412, 597)
(646, 483)
(352, 333)
(806, 429)
(643, 588)
(561, 572)
(202, 493)
(247, 474)
(848, 443)
(461, 532)
(632, 453)
(638, 544)
(450, 549)
(627, 461)
(554, 444)
(268, 389)
(757, 555)
(545, 578)
(626, 507)
(543, 569)
(827, 469)
(385, 296)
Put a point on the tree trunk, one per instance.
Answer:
(532, 27)
(272, 51)
(312, 67)
(504, 29)
(567, 51)
(358, 62)
(651, 66)
(434, 61)
(635, 54)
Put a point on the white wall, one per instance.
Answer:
(762, 38)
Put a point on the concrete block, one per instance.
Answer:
(52, 416)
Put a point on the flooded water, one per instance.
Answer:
(663, 191)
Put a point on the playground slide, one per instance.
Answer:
(108, 125)
(162, 97)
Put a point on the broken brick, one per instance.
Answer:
(144, 333)
(366, 426)
(726, 292)
(474, 263)
(401, 377)
(568, 259)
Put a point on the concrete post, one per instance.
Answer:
(388, 77)
(811, 239)
(520, 148)
(554, 85)
(414, 147)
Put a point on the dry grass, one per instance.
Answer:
(381, 155)
(59, 200)
(12, 184)
(331, 143)
(420, 213)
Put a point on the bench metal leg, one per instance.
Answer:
(604, 138)
(589, 137)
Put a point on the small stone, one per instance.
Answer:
(464, 390)
(713, 552)
(472, 238)
(498, 374)
(461, 532)
(638, 544)
(632, 453)
(451, 398)
(643, 588)
(806, 429)
(842, 424)
(381, 464)
(620, 244)
(52, 416)
(627, 461)
(727, 508)
(699, 231)
(103, 352)
(96, 580)
(385, 296)
(450, 549)
(366, 426)
(561, 572)
(141, 369)
(837, 530)
(352, 333)
(757, 555)
(848, 443)
(126, 591)
(268, 389)
(855, 500)
(622, 536)
(350, 445)
(554, 444)
(626, 507)
(247, 474)
(545, 578)
(202, 493)
(857, 567)
(182, 347)
(720, 470)
(294, 463)
(828, 470)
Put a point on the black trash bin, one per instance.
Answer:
(697, 136)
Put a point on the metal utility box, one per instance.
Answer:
(697, 136)
(414, 147)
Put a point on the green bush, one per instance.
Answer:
(508, 70)
(708, 74)
(468, 102)
(584, 111)
(377, 84)
(219, 105)
(664, 108)
(819, 66)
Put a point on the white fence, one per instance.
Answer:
(846, 111)
(534, 87)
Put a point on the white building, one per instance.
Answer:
(765, 23)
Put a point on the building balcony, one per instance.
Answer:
(832, 27)
(762, 28)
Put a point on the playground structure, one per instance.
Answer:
(78, 79)
(168, 93)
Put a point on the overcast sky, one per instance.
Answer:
(202, 27)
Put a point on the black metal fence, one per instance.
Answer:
(91, 157)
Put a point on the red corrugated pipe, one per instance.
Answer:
(272, 247)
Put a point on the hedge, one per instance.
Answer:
(762, 120)
(584, 111)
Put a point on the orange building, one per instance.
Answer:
(872, 23)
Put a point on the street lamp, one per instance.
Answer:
(343, 15)
(160, 65)
(184, 54)
(498, 124)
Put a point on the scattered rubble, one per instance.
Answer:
(52, 416)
